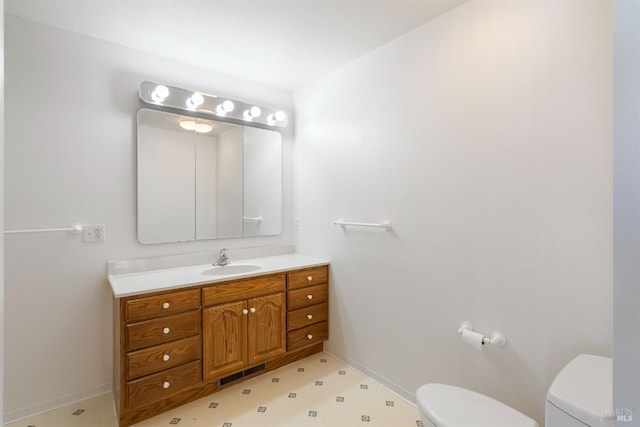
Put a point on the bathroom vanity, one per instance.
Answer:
(183, 333)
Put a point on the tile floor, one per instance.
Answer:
(318, 391)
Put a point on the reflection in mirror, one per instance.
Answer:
(218, 186)
(262, 182)
(203, 179)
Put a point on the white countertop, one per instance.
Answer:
(129, 284)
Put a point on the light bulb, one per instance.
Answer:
(252, 112)
(160, 93)
(224, 108)
(228, 106)
(195, 101)
(280, 116)
(271, 119)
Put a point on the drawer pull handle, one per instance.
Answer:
(253, 309)
(309, 296)
(245, 311)
(309, 337)
(166, 385)
(309, 278)
(166, 331)
(166, 357)
(165, 305)
(309, 316)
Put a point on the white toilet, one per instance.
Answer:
(579, 396)
(444, 405)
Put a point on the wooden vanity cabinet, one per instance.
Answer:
(242, 334)
(267, 328)
(158, 348)
(307, 307)
(174, 347)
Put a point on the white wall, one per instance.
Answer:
(1, 209)
(485, 137)
(71, 105)
(626, 344)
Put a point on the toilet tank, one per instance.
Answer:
(581, 394)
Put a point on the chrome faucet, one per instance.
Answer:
(223, 258)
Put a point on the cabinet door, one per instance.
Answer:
(224, 334)
(267, 327)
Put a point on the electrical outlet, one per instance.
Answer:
(93, 233)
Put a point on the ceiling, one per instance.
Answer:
(280, 43)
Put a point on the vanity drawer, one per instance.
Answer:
(164, 356)
(307, 316)
(307, 336)
(307, 277)
(162, 385)
(243, 289)
(161, 305)
(305, 297)
(165, 329)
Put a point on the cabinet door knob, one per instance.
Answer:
(309, 296)
(166, 331)
(309, 316)
(166, 385)
(309, 278)
(165, 305)
(245, 311)
(166, 357)
(309, 337)
(253, 309)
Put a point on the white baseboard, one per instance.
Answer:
(39, 408)
(382, 381)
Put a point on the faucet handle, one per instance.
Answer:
(223, 257)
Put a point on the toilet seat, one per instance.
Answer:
(451, 406)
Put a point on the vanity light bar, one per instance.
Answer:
(175, 97)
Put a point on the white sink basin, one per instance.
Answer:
(224, 270)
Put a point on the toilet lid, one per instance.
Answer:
(583, 389)
(451, 406)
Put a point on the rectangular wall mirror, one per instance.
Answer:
(204, 179)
